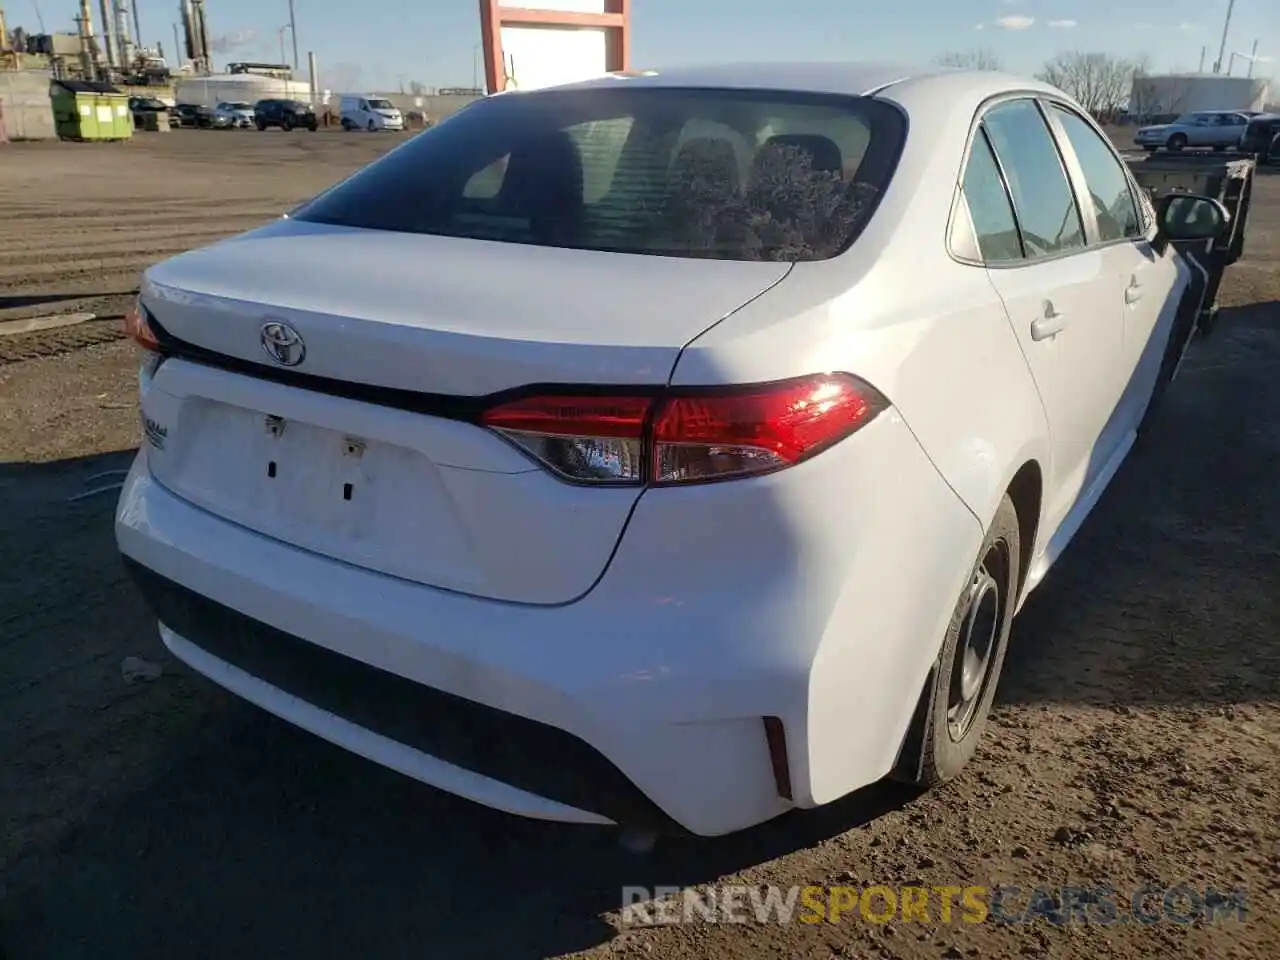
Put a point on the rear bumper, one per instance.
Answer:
(427, 732)
(817, 596)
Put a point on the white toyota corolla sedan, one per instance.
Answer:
(669, 450)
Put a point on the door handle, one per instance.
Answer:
(1049, 325)
(1133, 292)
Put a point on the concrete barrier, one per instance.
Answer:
(26, 111)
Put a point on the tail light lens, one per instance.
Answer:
(687, 436)
(585, 439)
(138, 329)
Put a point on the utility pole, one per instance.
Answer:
(293, 32)
(1253, 58)
(1226, 25)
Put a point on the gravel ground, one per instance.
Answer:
(1136, 738)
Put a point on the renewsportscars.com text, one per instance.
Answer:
(1095, 904)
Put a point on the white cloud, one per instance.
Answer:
(1015, 21)
(232, 41)
(981, 26)
(1062, 24)
(1188, 26)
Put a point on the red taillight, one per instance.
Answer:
(687, 436)
(586, 439)
(138, 329)
(750, 431)
(570, 416)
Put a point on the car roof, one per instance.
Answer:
(852, 78)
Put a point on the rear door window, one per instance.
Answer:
(673, 172)
(1048, 217)
(989, 208)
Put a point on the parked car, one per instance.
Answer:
(286, 114)
(140, 107)
(236, 114)
(202, 117)
(1259, 135)
(369, 113)
(187, 115)
(1220, 130)
(682, 499)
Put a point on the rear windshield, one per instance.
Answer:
(737, 175)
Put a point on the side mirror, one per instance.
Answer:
(1184, 216)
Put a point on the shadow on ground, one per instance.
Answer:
(1167, 595)
(193, 825)
(18, 301)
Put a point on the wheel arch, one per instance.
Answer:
(1025, 489)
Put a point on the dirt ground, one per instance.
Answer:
(1136, 740)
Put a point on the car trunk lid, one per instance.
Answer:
(333, 461)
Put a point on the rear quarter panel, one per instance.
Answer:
(927, 331)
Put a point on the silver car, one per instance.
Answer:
(1219, 129)
(235, 114)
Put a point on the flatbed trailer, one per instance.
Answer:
(1224, 176)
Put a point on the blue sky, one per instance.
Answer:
(378, 44)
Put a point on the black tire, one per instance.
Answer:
(347, 125)
(373, 127)
(312, 126)
(977, 639)
(262, 125)
(286, 124)
(1177, 142)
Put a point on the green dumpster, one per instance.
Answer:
(90, 110)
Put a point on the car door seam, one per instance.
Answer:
(1022, 350)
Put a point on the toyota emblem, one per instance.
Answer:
(282, 343)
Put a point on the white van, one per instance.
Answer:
(367, 112)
